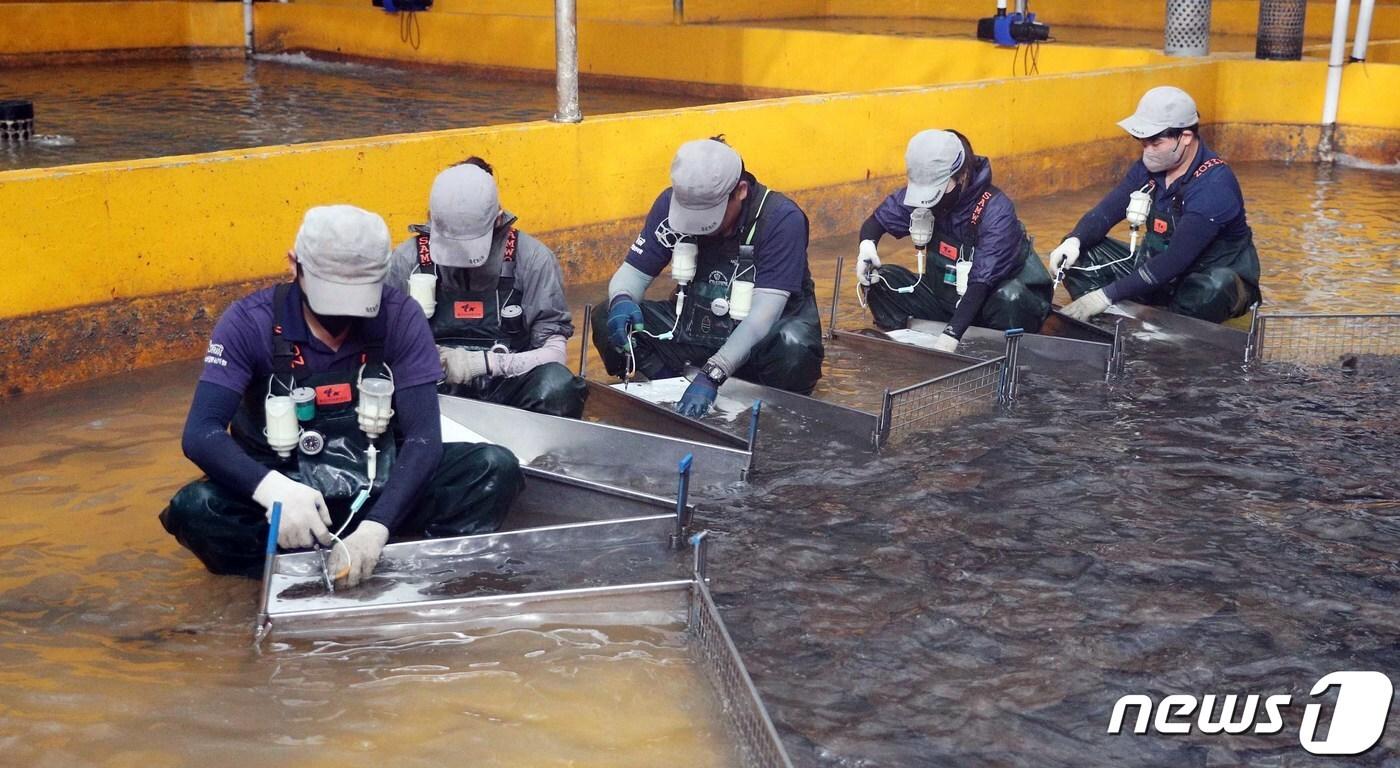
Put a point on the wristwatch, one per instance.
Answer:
(716, 373)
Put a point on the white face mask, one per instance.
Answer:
(1158, 160)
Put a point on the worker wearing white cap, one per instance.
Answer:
(320, 395)
(1197, 256)
(746, 306)
(494, 297)
(977, 265)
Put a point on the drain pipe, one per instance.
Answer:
(1335, 61)
(248, 28)
(678, 11)
(1363, 30)
(566, 63)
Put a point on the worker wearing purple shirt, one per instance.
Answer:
(332, 328)
(979, 266)
(1197, 256)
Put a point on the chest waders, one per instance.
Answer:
(483, 319)
(333, 451)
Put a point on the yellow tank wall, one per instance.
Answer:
(147, 227)
(1235, 17)
(789, 60)
(64, 27)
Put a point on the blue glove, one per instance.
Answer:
(698, 397)
(624, 316)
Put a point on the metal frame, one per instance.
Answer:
(1312, 338)
(665, 596)
(1063, 344)
(600, 451)
(1188, 329)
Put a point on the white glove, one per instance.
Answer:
(354, 557)
(463, 366)
(866, 262)
(1064, 255)
(1088, 305)
(945, 343)
(304, 511)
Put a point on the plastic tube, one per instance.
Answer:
(1363, 30)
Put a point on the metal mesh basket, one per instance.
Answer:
(1321, 339)
(753, 732)
(16, 131)
(1188, 28)
(1280, 29)
(943, 400)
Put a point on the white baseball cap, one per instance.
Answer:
(702, 176)
(1159, 109)
(931, 160)
(462, 209)
(344, 257)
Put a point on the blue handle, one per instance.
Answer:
(1014, 332)
(684, 465)
(753, 422)
(272, 525)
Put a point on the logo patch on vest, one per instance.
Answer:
(468, 310)
(947, 251)
(333, 394)
(1159, 226)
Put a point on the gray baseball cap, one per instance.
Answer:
(931, 160)
(702, 176)
(344, 257)
(462, 209)
(1161, 108)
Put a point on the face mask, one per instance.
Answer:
(947, 202)
(1158, 160)
(334, 324)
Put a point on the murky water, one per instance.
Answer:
(129, 110)
(875, 25)
(980, 596)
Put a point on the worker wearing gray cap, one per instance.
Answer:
(494, 297)
(1197, 257)
(745, 305)
(319, 396)
(981, 267)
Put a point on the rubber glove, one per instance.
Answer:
(354, 557)
(1088, 305)
(463, 366)
(1064, 255)
(945, 343)
(698, 397)
(304, 512)
(624, 317)
(866, 262)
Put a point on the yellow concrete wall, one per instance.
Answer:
(148, 227)
(66, 27)
(779, 59)
(1235, 17)
(616, 10)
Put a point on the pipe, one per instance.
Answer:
(1335, 62)
(1363, 30)
(566, 62)
(248, 28)
(678, 11)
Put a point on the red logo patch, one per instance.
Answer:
(947, 251)
(468, 310)
(1159, 226)
(333, 394)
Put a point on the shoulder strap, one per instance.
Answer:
(425, 257)
(286, 356)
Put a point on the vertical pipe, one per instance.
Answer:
(1335, 62)
(248, 28)
(1363, 30)
(566, 62)
(836, 296)
(585, 340)
(678, 11)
